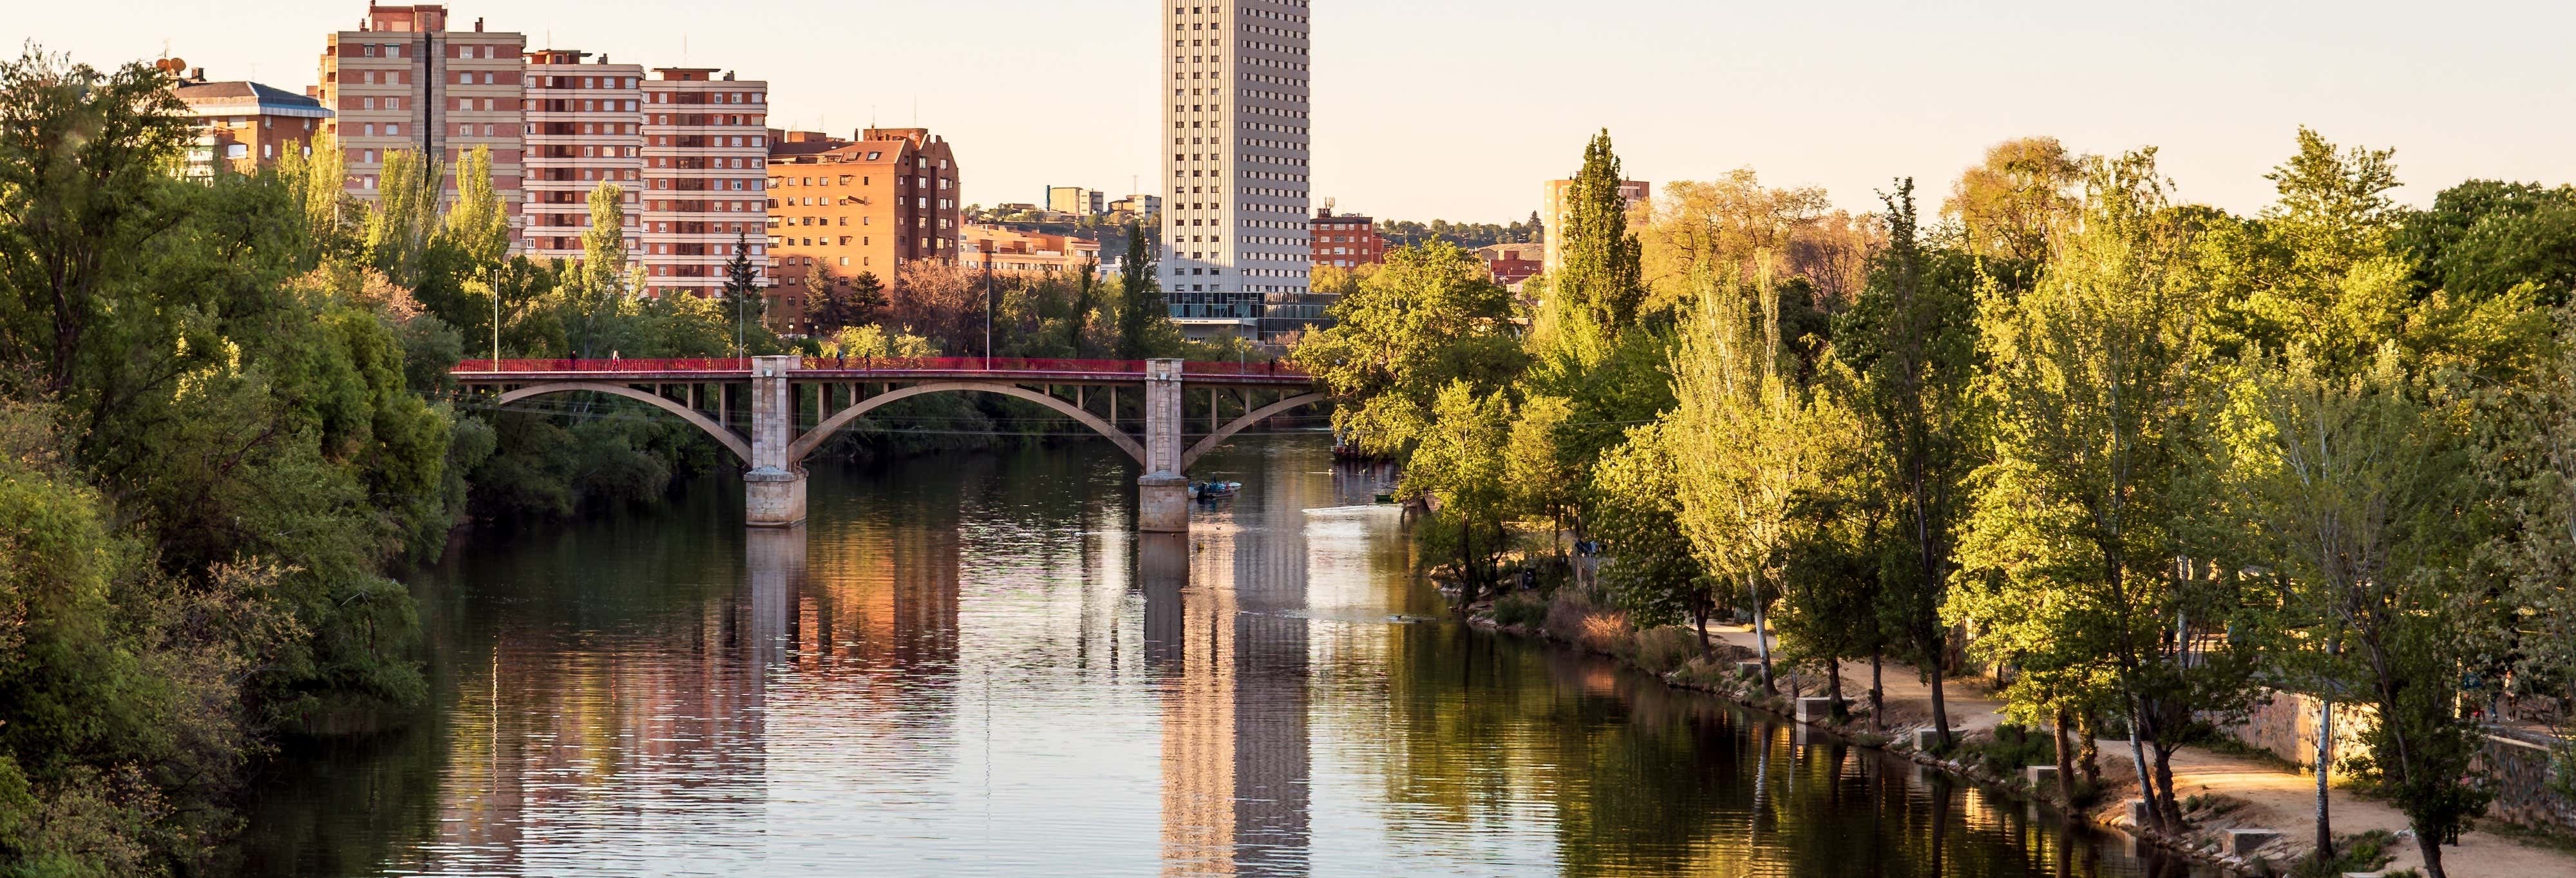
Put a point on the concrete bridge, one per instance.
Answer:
(773, 412)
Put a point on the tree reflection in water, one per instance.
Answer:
(970, 665)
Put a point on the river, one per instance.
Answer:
(969, 665)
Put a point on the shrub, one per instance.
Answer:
(1522, 609)
(2014, 748)
(1664, 649)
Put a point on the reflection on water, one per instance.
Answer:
(972, 666)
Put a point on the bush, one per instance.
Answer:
(2014, 748)
(1573, 618)
(1522, 609)
(1662, 650)
(2357, 853)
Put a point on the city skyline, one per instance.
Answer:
(1802, 97)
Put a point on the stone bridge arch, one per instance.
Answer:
(814, 439)
(741, 448)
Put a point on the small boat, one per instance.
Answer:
(1214, 490)
(1386, 499)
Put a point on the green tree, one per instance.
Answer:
(1461, 465)
(1430, 318)
(404, 217)
(1741, 434)
(1600, 272)
(478, 224)
(1143, 318)
(1652, 573)
(745, 303)
(2095, 376)
(2358, 492)
(1912, 338)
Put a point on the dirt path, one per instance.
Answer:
(2274, 799)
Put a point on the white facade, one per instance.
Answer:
(1234, 223)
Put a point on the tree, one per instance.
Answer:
(2094, 384)
(744, 300)
(1741, 434)
(1651, 572)
(2357, 492)
(1600, 270)
(2011, 206)
(1544, 479)
(478, 225)
(1430, 318)
(2485, 239)
(404, 216)
(1086, 296)
(1729, 225)
(1460, 463)
(1140, 308)
(1912, 338)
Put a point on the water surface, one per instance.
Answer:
(969, 665)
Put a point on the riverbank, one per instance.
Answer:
(2224, 792)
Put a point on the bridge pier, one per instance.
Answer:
(774, 489)
(1163, 495)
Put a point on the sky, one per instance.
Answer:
(1446, 109)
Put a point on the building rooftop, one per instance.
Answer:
(246, 99)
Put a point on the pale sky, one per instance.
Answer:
(1459, 110)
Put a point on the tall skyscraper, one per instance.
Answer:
(1234, 224)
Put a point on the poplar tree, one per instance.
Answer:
(1141, 309)
(1600, 271)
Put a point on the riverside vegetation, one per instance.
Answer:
(2145, 459)
(225, 415)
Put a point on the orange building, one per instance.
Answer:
(865, 206)
(1008, 251)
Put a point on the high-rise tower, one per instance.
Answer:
(1234, 223)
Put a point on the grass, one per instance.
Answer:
(2532, 836)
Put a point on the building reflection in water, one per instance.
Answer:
(557, 723)
(1227, 631)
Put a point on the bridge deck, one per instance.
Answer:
(826, 369)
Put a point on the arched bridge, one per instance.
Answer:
(773, 412)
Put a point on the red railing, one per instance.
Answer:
(594, 364)
(873, 364)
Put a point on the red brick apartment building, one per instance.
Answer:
(1346, 241)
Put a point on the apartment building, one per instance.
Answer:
(404, 81)
(705, 147)
(1010, 251)
(1234, 227)
(1639, 196)
(865, 206)
(1347, 240)
(242, 126)
(585, 129)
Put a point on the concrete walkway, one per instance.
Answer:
(2274, 799)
